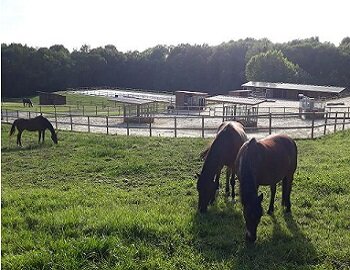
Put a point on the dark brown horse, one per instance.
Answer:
(222, 152)
(264, 162)
(27, 101)
(38, 123)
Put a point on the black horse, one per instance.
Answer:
(221, 152)
(264, 162)
(27, 101)
(38, 123)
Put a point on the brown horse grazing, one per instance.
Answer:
(264, 162)
(38, 123)
(222, 152)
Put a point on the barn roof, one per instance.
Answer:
(296, 87)
(235, 100)
(192, 93)
(132, 101)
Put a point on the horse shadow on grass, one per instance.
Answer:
(219, 237)
(219, 232)
(10, 149)
(287, 247)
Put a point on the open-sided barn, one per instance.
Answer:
(292, 91)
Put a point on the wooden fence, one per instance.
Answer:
(298, 125)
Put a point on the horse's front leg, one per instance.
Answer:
(39, 136)
(227, 186)
(272, 199)
(43, 135)
(217, 185)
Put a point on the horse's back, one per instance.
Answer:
(279, 157)
(230, 138)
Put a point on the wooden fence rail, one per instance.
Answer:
(317, 124)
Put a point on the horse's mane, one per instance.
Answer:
(245, 157)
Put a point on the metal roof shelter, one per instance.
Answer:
(135, 109)
(132, 101)
(244, 109)
(190, 100)
(291, 91)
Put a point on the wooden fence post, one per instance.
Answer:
(29, 116)
(344, 121)
(270, 123)
(202, 126)
(107, 125)
(83, 110)
(325, 124)
(96, 110)
(150, 128)
(17, 114)
(127, 128)
(88, 123)
(55, 115)
(335, 122)
(71, 122)
(312, 125)
(175, 127)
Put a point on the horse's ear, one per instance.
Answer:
(260, 198)
(252, 141)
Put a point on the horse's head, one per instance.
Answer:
(206, 192)
(54, 137)
(252, 213)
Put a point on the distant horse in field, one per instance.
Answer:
(27, 101)
(264, 162)
(222, 152)
(38, 123)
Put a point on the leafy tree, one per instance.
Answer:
(272, 66)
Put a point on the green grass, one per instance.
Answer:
(112, 202)
(75, 103)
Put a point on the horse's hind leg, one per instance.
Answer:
(39, 136)
(286, 190)
(232, 182)
(19, 138)
(228, 175)
(272, 199)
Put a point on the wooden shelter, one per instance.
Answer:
(292, 91)
(46, 98)
(239, 108)
(188, 100)
(136, 110)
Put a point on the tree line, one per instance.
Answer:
(214, 69)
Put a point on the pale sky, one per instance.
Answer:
(141, 24)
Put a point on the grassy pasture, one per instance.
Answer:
(75, 103)
(113, 202)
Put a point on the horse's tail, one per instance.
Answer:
(13, 128)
